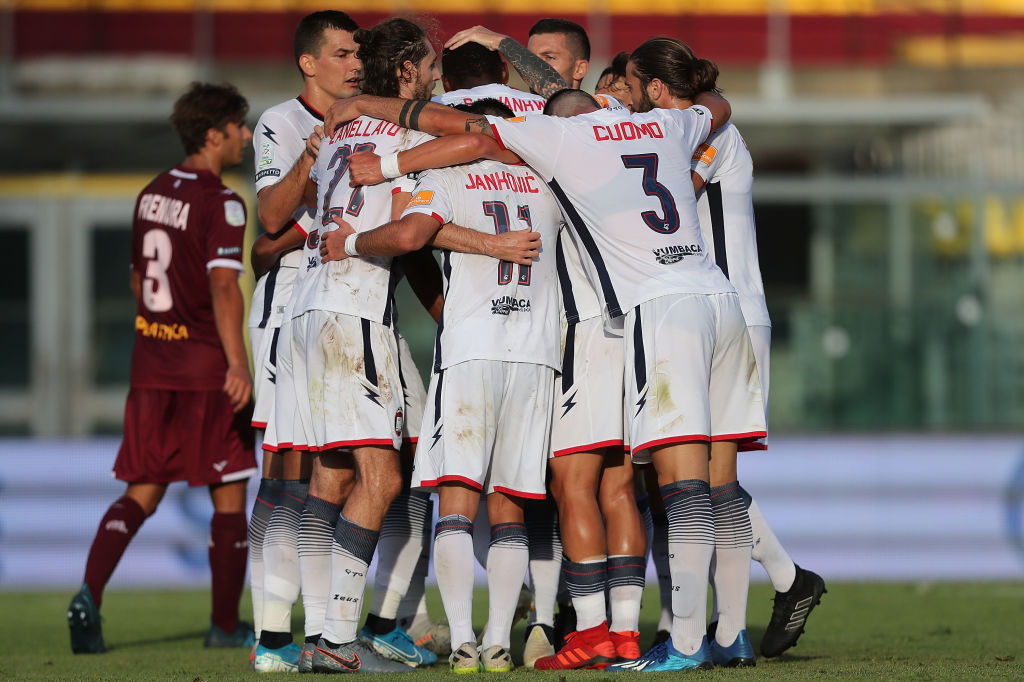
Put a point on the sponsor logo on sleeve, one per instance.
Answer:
(266, 155)
(517, 119)
(234, 213)
(705, 154)
(229, 250)
(268, 173)
(422, 198)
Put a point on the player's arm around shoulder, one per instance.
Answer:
(278, 201)
(721, 110)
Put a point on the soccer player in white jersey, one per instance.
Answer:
(624, 184)
(324, 52)
(723, 179)
(488, 416)
(471, 72)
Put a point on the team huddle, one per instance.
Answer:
(601, 357)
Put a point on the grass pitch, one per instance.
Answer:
(860, 631)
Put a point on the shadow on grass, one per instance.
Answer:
(180, 637)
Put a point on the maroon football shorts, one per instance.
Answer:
(176, 435)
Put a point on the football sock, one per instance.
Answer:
(413, 607)
(481, 534)
(117, 528)
(625, 588)
(316, 533)
(507, 561)
(731, 568)
(691, 542)
(644, 505)
(275, 640)
(228, 554)
(351, 553)
(586, 582)
(398, 553)
(545, 559)
(659, 553)
(453, 545)
(281, 576)
(266, 499)
(768, 551)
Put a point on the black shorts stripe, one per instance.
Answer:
(569, 357)
(714, 194)
(368, 362)
(268, 294)
(639, 358)
(390, 311)
(611, 300)
(572, 314)
(437, 397)
(446, 270)
(273, 348)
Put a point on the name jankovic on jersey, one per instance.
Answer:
(509, 304)
(673, 254)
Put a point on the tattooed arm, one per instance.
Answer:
(416, 114)
(538, 74)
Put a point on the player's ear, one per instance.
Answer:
(407, 71)
(445, 84)
(655, 87)
(307, 63)
(504, 72)
(579, 70)
(214, 138)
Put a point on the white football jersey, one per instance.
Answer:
(518, 101)
(726, 211)
(577, 297)
(362, 287)
(278, 141)
(627, 195)
(494, 310)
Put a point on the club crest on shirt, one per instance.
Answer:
(673, 254)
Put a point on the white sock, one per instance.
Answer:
(262, 508)
(659, 553)
(507, 560)
(731, 572)
(413, 607)
(398, 553)
(691, 541)
(768, 551)
(281, 576)
(625, 589)
(587, 582)
(351, 553)
(453, 550)
(545, 559)
(316, 534)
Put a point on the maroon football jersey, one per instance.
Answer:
(186, 223)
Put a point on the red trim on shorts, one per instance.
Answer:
(752, 446)
(752, 435)
(497, 137)
(354, 443)
(673, 439)
(270, 448)
(411, 439)
(586, 448)
(258, 425)
(451, 479)
(519, 493)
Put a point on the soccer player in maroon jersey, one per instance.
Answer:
(188, 409)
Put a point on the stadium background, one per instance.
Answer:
(888, 145)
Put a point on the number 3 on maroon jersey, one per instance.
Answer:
(156, 287)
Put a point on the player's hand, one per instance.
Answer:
(238, 386)
(521, 247)
(364, 169)
(342, 111)
(477, 34)
(314, 140)
(332, 244)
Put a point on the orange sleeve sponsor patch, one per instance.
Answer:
(422, 198)
(705, 154)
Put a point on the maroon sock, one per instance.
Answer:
(229, 551)
(117, 528)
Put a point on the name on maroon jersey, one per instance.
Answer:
(627, 130)
(504, 179)
(362, 127)
(157, 208)
(163, 332)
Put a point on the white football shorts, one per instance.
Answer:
(690, 373)
(415, 394)
(487, 424)
(284, 431)
(761, 343)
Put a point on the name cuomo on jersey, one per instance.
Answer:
(496, 181)
(156, 208)
(626, 130)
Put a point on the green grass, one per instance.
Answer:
(861, 631)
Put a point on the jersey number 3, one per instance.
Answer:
(499, 212)
(156, 287)
(669, 221)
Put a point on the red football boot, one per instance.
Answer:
(627, 645)
(588, 649)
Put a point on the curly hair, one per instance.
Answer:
(206, 106)
(384, 49)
